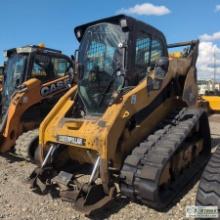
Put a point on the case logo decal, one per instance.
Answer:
(54, 87)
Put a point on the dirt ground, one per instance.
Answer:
(18, 202)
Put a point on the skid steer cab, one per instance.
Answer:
(34, 78)
(131, 120)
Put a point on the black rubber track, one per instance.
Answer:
(209, 187)
(140, 174)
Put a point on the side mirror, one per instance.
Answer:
(161, 67)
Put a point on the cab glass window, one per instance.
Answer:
(61, 66)
(156, 51)
(46, 68)
(42, 68)
(96, 55)
(142, 56)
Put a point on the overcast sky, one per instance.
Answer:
(52, 21)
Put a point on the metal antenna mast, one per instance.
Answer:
(214, 79)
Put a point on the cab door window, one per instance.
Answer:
(142, 56)
(148, 51)
(156, 51)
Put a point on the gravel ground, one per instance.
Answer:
(18, 202)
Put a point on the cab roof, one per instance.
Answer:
(130, 22)
(30, 49)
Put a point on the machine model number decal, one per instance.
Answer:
(71, 140)
(54, 87)
(133, 99)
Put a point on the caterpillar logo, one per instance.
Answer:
(71, 140)
(54, 87)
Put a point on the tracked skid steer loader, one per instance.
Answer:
(34, 78)
(130, 126)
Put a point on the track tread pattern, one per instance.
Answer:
(140, 182)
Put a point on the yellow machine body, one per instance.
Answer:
(214, 102)
(142, 135)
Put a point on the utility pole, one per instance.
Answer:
(214, 78)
